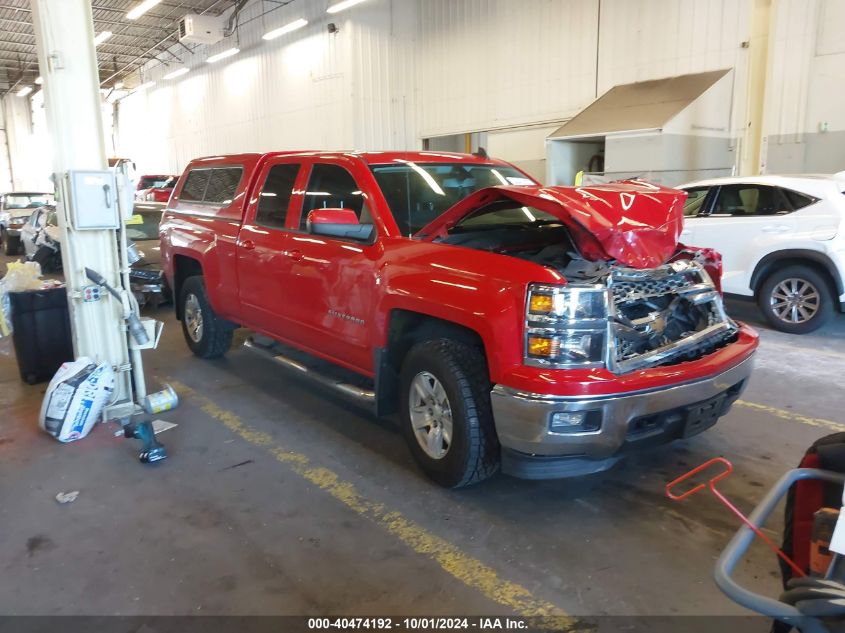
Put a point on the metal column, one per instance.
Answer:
(64, 35)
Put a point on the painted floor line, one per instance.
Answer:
(791, 416)
(470, 571)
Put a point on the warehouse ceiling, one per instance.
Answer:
(133, 43)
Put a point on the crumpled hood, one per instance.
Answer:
(633, 222)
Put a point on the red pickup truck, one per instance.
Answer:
(543, 331)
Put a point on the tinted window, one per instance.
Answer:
(695, 201)
(418, 193)
(275, 195)
(194, 187)
(798, 200)
(332, 187)
(506, 213)
(222, 185)
(749, 200)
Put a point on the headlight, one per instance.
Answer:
(566, 326)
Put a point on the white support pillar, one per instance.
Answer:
(64, 36)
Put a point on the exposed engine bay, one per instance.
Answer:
(656, 316)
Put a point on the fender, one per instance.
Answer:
(480, 291)
(765, 264)
(204, 246)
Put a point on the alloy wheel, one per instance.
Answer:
(193, 317)
(431, 415)
(795, 300)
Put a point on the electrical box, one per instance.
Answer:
(93, 200)
(201, 29)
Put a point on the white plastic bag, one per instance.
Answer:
(19, 277)
(75, 398)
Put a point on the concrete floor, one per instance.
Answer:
(279, 498)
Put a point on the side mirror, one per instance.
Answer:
(341, 223)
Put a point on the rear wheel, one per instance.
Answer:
(446, 415)
(206, 334)
(796, 299)
(48, 259)
(11, 244)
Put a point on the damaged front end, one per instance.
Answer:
(633, 298)
(630, 319)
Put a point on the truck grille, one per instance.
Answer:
(664, 315)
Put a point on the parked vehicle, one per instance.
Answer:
(146, 277)
(15, 209)
(546, 330)
(148, 183)
(161, 193)
(41, 241)
(782, 239)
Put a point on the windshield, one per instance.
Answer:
(419, 193)
(504, 213)
(27, 200)
(150, 182)
(143, 225)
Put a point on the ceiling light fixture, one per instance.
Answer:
(223, 55)
(102, 37)
(176, 73)
(340, 6)
(141, 9)
(39, 80)
(288, 28)
(24, 91)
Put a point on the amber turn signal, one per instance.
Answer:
(544, 347)
(541, 304)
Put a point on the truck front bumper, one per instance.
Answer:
(537, 444)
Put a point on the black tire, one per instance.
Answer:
(771, 291)
(214, 337)
(11, 244)
(2, 237)
(473, 454)
(46, 258)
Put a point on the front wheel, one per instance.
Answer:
(446, 415)
(207, 335)
(796, 299)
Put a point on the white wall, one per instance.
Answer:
(309, 90)
(807, 59)
(402, 70)
(29, 149)
(5, 164)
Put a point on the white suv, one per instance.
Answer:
(782, 240)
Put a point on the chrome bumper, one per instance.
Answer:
(523, 420)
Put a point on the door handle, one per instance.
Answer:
(295, 255)
(248, 245)
(775, 228)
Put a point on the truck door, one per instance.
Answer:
(331, 287)
(263, 263)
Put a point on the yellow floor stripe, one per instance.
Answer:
(791, 416)
(465, 568)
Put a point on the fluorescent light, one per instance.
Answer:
(144, 86)
(176, 73)
(39, 80)
(141, 9)
(223, 55)
(288, 28)
(340, 6)
(102, 37)
(24, 91)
